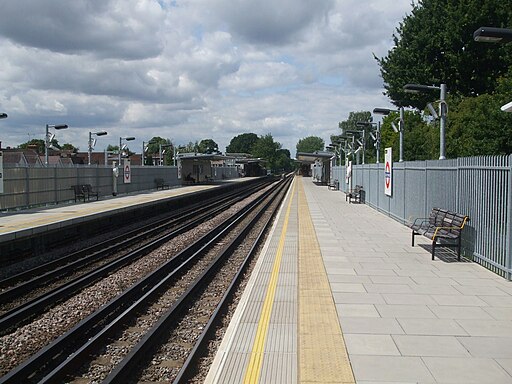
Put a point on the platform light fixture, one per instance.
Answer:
(3, 115)
(443, 109)
(399, 129)
(129, 138)
(92, 143)
(493, 35)
(48, 138)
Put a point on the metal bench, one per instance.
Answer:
(334, 185)
(443, 227)
(355, 194)
(84, 191)
(87, 188)
(79, 192)
(161, 184)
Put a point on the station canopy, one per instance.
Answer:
(311, 158)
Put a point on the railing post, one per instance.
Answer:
(508, 261)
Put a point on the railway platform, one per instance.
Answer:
(25, 223)
(340, 296)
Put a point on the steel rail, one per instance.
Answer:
(33, 307)
(122, 240)
(125, 369)
(154, 334)
(85, 330)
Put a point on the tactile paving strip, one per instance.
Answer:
(323, 357)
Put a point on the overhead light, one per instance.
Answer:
(3, 115)
(493, 35)
(432, 111)
(393, 125)
(507, 107)
(382, 111)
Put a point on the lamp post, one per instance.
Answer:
(130, 138)
(48, 139)
(145, 146)
(92, 143)
(401, 126)
(362, 144)
(417, 88)
(3, 115)
(161, 153)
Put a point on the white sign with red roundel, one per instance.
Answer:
(127, 171)
(388, 171)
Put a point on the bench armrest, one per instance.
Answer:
(419, 221)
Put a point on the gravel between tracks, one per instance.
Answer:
(25, 341)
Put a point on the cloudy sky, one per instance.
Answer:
(187, 70)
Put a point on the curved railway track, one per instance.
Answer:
(172, 292)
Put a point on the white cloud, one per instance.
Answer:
(192, 69)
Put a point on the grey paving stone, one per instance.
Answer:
(498, 328)
(434, 327)
(405, 311)
(410, 345)
(464, 370)
(371, 325)
(493, 347)
(363, 344)
(357, 310)
(395, 369)
(456, 312)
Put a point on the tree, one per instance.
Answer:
(208, 146)
(37, 143)
(434, 45)
(69, 147)
(266, 148)
(351, 125)
(310, 144)
(153, 148)
(283, 162)
(242, 143)
(478, 126)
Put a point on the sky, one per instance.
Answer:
(190, 70)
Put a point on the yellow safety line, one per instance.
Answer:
(322, 355)
(252, 373)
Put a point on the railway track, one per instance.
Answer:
(171, 291)
(53, 282)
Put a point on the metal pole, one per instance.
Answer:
(401, 134)
(46, 147)
(90, 149)
(143, 153)
(120, 143)
(364, 143)
(378, 142)
(442, 125)
(160, 154)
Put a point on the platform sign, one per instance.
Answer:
(388, 171)
(1, 172)
(127, 171)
